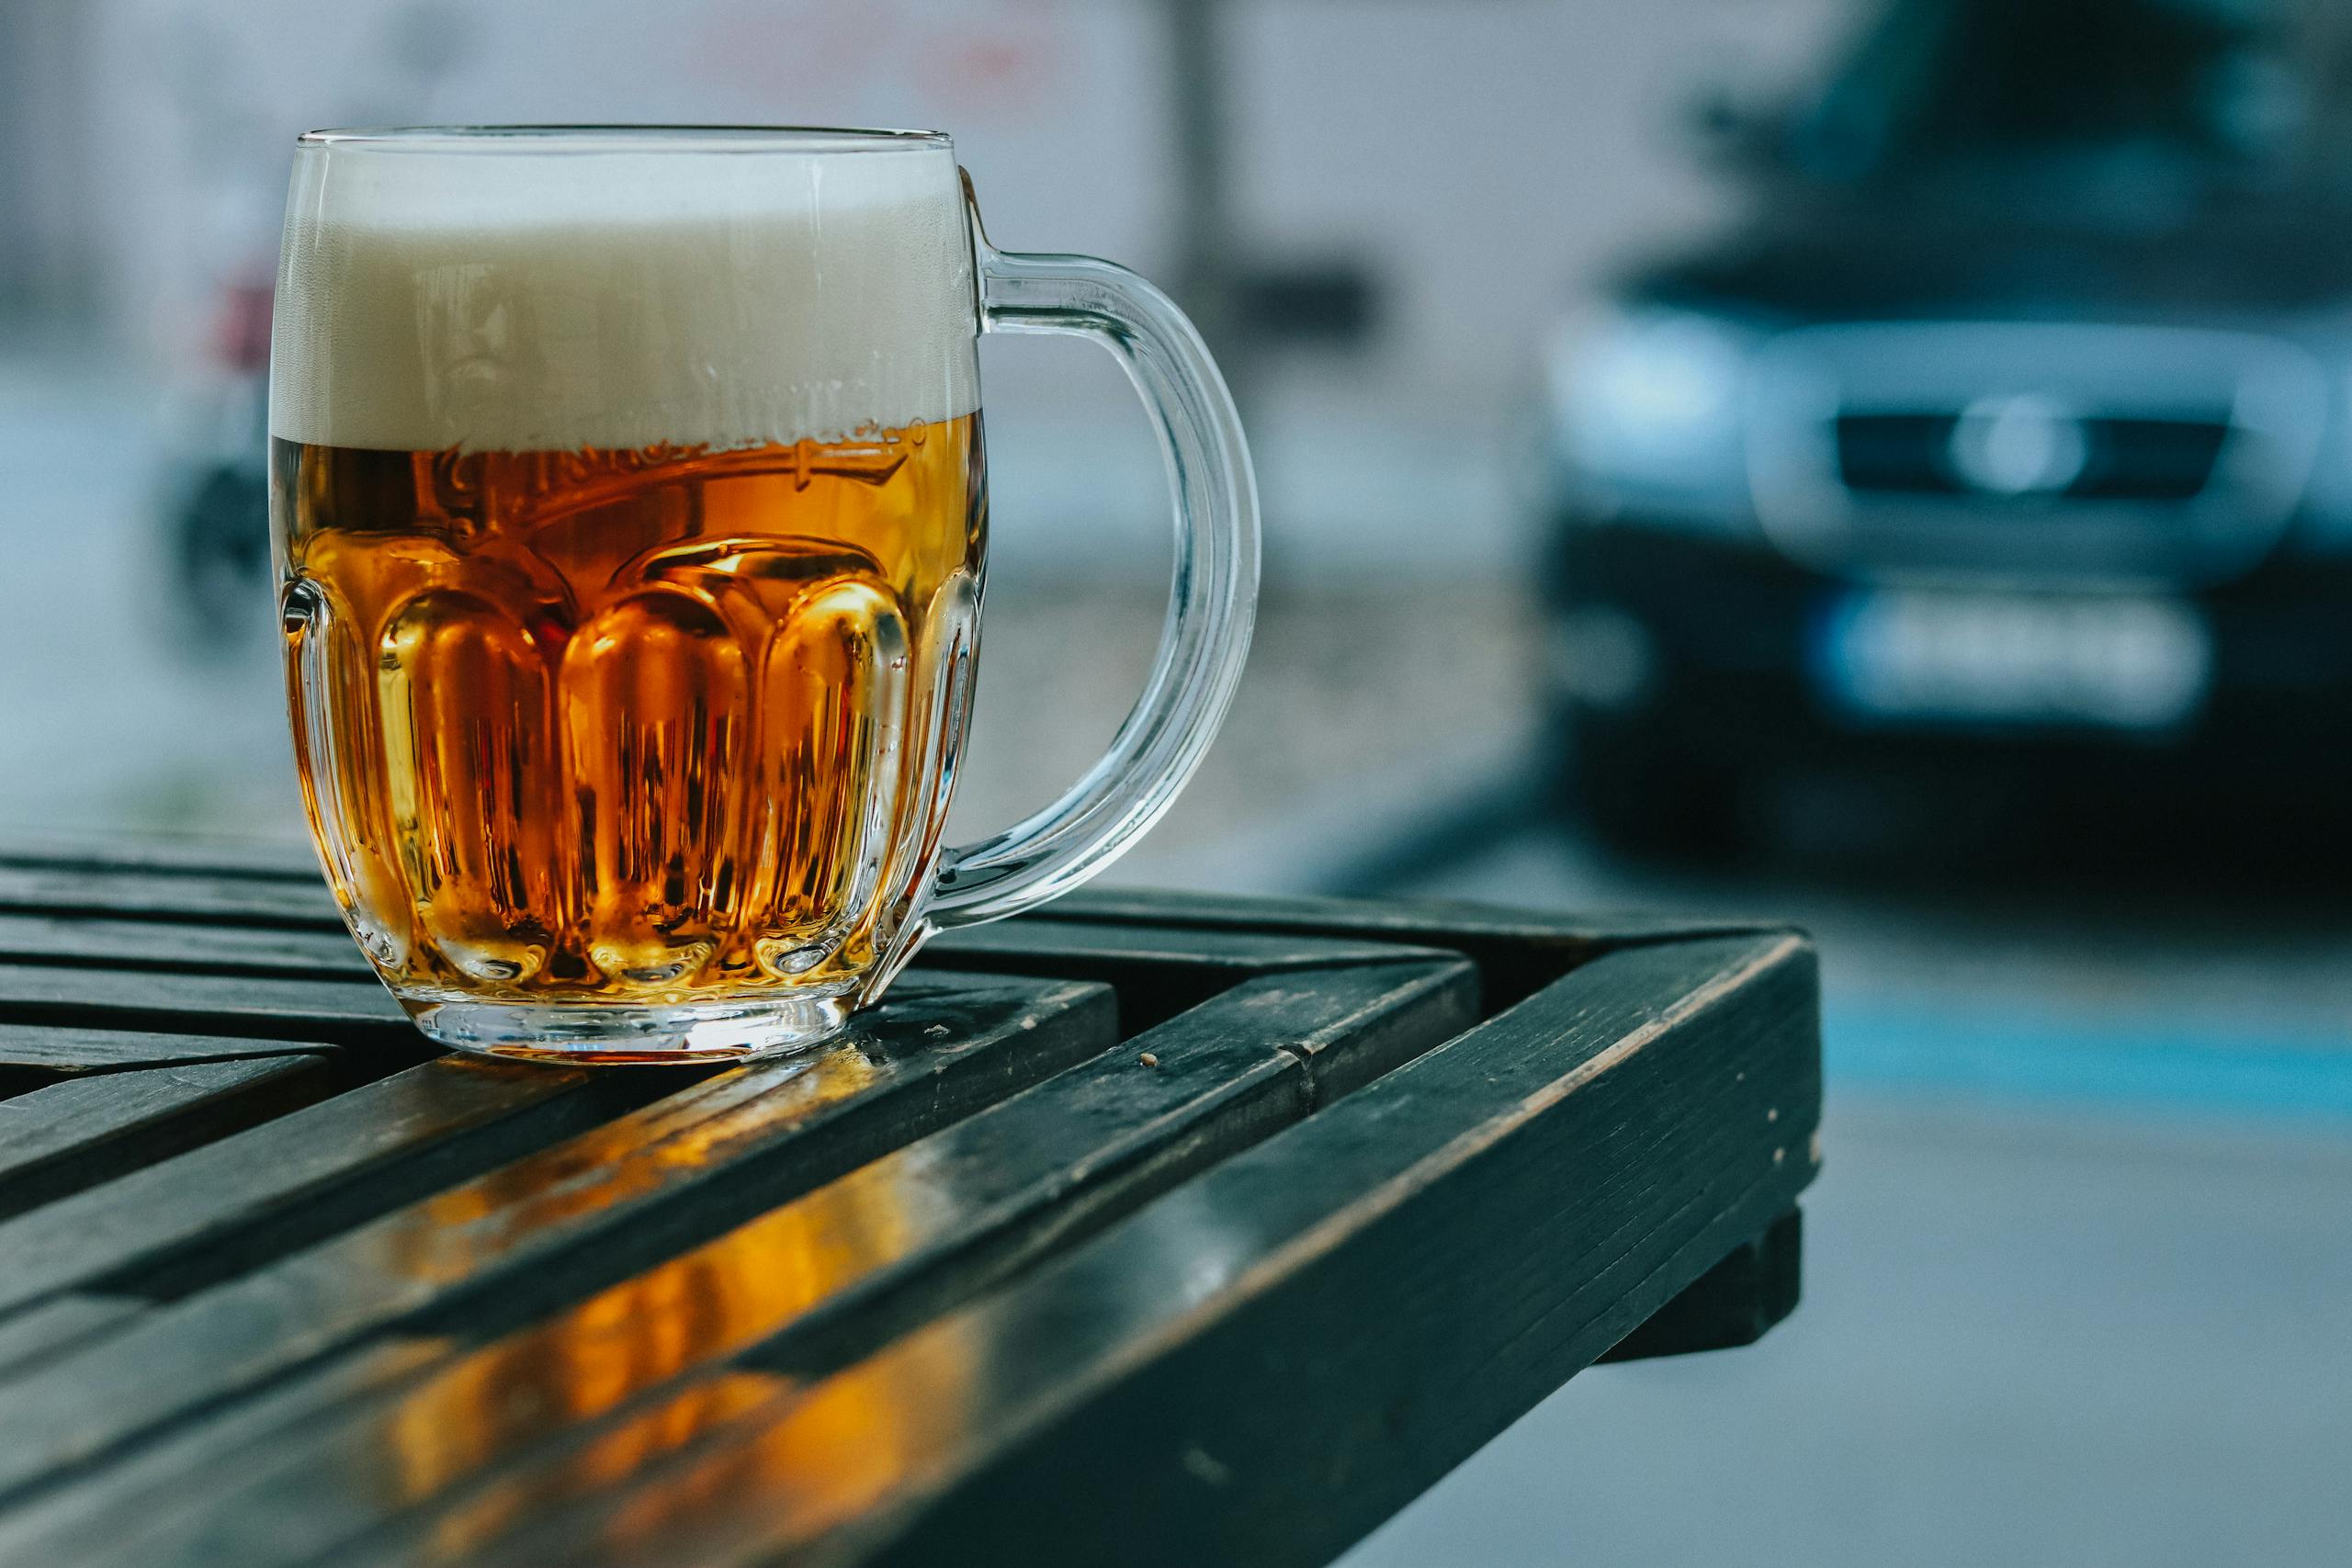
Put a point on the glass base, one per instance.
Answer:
(619, 1034)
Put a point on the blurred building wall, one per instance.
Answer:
(1481, 162)
(48, 242)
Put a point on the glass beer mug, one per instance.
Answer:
(629, 506)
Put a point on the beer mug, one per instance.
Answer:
(630, 504)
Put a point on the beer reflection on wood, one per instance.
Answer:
(539, 1413)
(643, 1333)
(650, 726)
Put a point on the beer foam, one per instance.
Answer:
(549, 299)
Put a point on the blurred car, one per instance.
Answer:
(2005, 445)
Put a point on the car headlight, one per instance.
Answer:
(1649, 399)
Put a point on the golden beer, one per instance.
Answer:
(652, 725)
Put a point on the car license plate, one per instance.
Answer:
(1964, 658)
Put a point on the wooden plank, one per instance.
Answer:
(306, 1176)
(349, 1012)
(184, 945)
(1157, 976)
(1266, 1362)
(358, 1013)
(498, 1248)
(1519, 950)
(1442, 919)
(261, 1192)
(1167, 950)
(1165, 973)
(1232, 956)
(59, 1323)
(70, 851)
(59, 1049)
(1159, 973)
(133, 875)
(300, 1176)
(866, 1257)
(85, 1130)
(156, 895)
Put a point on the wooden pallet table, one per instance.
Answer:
(1155, 1229)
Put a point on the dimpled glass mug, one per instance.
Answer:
(629, 499)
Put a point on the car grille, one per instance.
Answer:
(2058, 450)
(2124, 459)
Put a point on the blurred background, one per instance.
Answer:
(1880, 463)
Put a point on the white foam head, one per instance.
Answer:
(550, 291)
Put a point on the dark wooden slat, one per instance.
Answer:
(868, 1255)
(151, 895)
(60, 1050)
(59, 1323)
(1519, 950)
(102, 876)
(64, 1020)
(566, 1220)
(1166, 952)
(1439, 920)
(298, 1176)
(1159, 973)
(68, 850)
(1231, 956)
(1515, 950)
(307, 1173)
(1735, 1302)
(184, 946)
(348, 1012)
(1513, 1203)
(86, 1129)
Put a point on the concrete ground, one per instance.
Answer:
(2080, 1265)
(2029, 1337)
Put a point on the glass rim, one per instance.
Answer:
(578, 140)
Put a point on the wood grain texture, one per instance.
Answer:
(51, 1049)
(59, 1323)
(1517, 951)
(82, 1132)
(260, 1192)
(229, 898)
(356, 1011)
(1171, 937)
(558, 1222)
(258, 952)
(1159, 973)
(208, 926)
(65, 850)
(1369, 1294)
(925, 1227)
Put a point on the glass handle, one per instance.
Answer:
(1209, 613)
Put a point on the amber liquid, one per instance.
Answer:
(656, 726)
